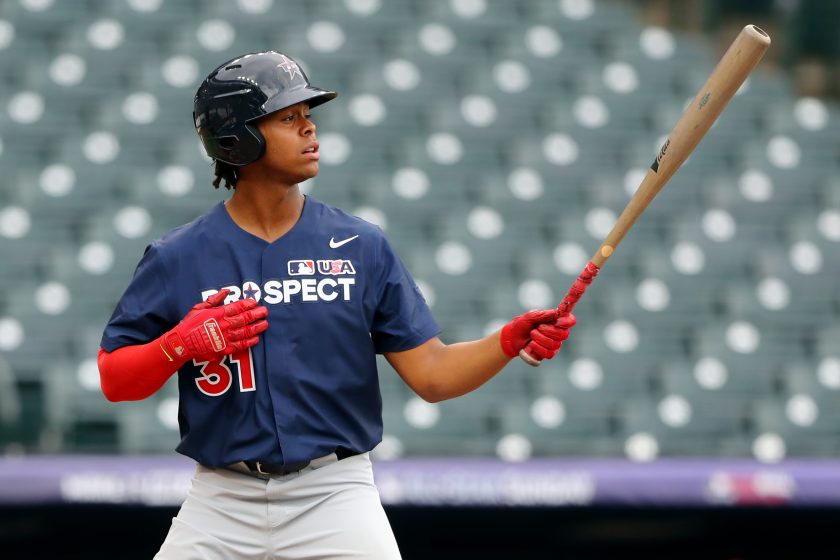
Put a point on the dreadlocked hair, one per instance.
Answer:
(227, 172)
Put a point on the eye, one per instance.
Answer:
(289, 118)
(308, 116)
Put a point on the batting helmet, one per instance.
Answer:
(242, 90)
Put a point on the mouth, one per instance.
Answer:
(311, 151)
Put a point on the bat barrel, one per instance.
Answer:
(731, 72)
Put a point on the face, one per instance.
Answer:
(291, 153)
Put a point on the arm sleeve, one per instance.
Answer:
(402, 320)
(143, 313)
(132, 373)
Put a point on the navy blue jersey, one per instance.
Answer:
(337, 295)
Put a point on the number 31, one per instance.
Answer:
(217, 377)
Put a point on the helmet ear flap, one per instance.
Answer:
(239, 150)
(256, 145)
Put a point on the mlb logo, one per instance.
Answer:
(301, 268)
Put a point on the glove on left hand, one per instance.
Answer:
(211, 329)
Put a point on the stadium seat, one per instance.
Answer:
(141, 430)
(466, 426)
(802, 429)
(10, 404)
(555, 426)
(682, 426)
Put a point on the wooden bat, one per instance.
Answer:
(732, 70)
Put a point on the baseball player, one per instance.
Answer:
(271, 307)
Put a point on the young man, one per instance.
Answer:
(272, 307)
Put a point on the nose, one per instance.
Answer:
(308, 127)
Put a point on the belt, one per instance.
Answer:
(260, 467)
(263, 469)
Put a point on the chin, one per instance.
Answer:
(309, 174)
(295, 178)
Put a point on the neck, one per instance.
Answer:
(266, 211)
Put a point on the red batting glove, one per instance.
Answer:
(542, 328)
(211, 330)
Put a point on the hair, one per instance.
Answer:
(227, 172)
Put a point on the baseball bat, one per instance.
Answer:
(739, 60)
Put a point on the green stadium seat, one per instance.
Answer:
(707, 427)
(488, 14)
(454, 427)
(10, 404)
(141, 430)
(588, 379)
(811, 435)
(562, 426)
(707, 376)
(72, 392)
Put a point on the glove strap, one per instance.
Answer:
(507, 343)
(173, 346)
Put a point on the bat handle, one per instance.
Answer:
(572, 297)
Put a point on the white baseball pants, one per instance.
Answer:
(331, 509)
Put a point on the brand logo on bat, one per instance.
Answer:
(655, 164)
(704, 100)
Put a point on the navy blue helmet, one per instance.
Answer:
(242, 90)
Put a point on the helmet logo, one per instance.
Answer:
(290, 66)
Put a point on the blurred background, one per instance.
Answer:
(495, 142)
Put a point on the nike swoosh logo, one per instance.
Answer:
(336, 244)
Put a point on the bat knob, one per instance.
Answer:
(528, 358)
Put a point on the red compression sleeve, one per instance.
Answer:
(132, 373)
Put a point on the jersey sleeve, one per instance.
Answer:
(402, 320)
(143, 313)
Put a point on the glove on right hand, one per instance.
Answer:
(211, 330)
(543, 329)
